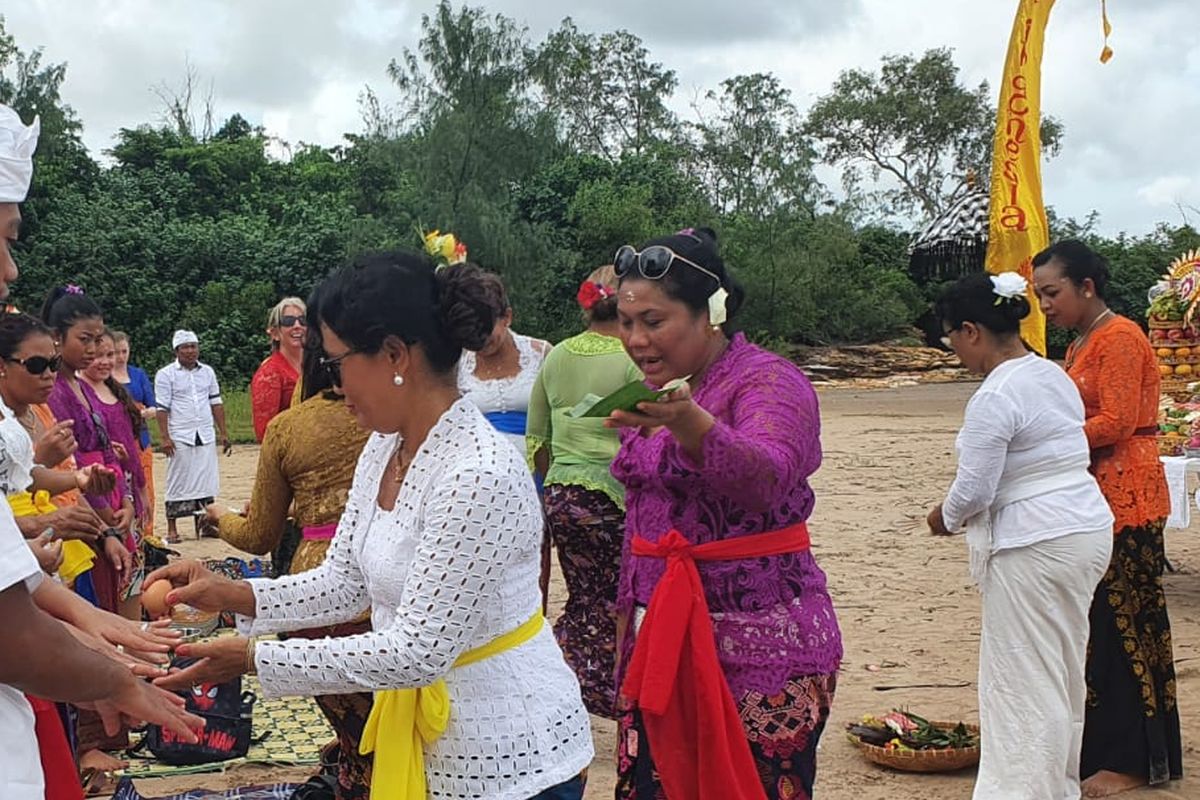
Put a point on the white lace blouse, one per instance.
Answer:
(503, 395)
(454, 565)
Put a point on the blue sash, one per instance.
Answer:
(507, 421)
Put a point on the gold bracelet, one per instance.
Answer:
(251, 667)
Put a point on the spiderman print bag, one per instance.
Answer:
(228, 714)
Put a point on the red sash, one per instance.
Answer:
(696, 736)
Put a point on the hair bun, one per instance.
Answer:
(1016, 308)
(465, 305)
(708, 233)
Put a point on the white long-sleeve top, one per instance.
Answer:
(452, 566)
(1026, 415)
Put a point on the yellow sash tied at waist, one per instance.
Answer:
(77, 556)
(403, 721)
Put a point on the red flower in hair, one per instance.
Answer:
(591, 293)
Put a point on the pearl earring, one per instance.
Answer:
(398, 379)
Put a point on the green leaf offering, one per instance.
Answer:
(624, 399)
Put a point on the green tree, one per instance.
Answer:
(912, 124)
(752, 156)
(608, 96)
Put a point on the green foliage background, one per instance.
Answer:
(544, 158)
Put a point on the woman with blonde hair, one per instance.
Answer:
(139, 386)
(274, 383)
(584, 503)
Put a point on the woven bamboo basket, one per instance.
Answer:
(1164, 324)
(948, 760)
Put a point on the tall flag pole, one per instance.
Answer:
(1017, 227)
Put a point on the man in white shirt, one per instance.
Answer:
(189, 403)
(39, 655)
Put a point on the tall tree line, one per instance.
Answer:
(544, 157)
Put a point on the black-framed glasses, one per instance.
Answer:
(289, 320)
(653, 262)
(333, 366)
(37, 365)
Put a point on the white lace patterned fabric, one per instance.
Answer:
(454, 565)
(503, 394)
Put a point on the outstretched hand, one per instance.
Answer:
(202, 589)
(217, 661)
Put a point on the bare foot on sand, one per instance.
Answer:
(1105, 783)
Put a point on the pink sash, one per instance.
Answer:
(319, 533)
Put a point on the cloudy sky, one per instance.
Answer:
(1132, 126)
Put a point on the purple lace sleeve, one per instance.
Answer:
(773, 443)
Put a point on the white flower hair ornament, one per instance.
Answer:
(1008, 286)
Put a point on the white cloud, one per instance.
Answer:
(1168, 190)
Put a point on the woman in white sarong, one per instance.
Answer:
(1039, 535)
(441, 538)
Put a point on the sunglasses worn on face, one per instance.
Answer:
(333, 366)
(652, 263)
(288, 320)
(36, 365)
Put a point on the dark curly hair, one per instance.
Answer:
(400, 293)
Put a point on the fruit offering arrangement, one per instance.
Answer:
(1178, 427)
(1178, 353)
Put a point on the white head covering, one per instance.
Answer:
(17, 143)
(183, 337)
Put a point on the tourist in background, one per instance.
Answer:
(274, 384)
(1131, 736)
(124, 423)
(583, 502)
(141, 389)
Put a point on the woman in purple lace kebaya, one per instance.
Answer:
(726, 456)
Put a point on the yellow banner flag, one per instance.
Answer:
(1017, 227)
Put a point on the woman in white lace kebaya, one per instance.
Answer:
(441, 537)
(1039, 534)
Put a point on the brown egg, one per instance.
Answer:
(154, 599)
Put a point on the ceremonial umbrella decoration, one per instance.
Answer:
(954, 243)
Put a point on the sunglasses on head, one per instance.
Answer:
(653, 262)
(37, 365)
(288, 320)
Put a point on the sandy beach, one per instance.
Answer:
(909, 617)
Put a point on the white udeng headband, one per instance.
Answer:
(17, 143)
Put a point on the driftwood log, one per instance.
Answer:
(872, 361)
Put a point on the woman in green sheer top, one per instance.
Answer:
(584, 504)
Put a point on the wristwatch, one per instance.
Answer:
(114, 533)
